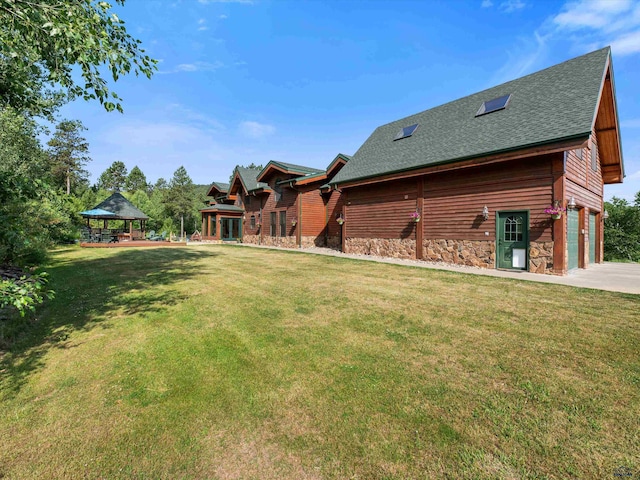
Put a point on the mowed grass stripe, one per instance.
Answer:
(229, 362)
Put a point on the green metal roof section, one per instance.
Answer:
(318, 173)
(121, 207)
(545, 107)
(248, 177)
(222, 187)
(222, 207)
(290, 167)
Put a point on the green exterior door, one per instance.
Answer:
(572, 238)
(231, 229)
(592, 238)
(513, 240)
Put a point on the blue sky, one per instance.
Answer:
(301, 81)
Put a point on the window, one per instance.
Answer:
(273, 230)
(283, 223)
(594, 157)
(579, 153)
(406, 132)
(513, 229)
(494, 105)
(277, 190)
(253, 221)
(248, 201)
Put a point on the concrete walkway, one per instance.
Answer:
(614, 277)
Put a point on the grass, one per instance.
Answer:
(224, 362)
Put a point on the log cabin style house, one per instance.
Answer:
(280, 205)
(468, 182)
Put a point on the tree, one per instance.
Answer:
(68, 154)
(622, 230)
(136, 181)
(179, 197)
(114, 177)
(41, 41)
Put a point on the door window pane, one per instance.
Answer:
(513, 229)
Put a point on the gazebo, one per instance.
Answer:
(116, 207)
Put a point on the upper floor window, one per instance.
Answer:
(273, 226)
(253, 221)
(594, 157)
(283, 223)
(579, 153)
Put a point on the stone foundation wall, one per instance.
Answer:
(287, 242)
(383, 247)
(252, 239)
(541, 257)
(318, 241)
(334, 242)
(461, 252)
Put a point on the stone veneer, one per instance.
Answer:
(288, 242)
(383, 247)
(253, 239)
(334, 243)
(541, 257)
(473, 253)
(313, 241)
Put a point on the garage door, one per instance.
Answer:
(572, 238)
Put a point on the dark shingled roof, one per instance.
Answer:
(221, 207)
(248, 177)
(558, 103)
(122, 207)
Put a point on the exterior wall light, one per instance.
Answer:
(485, 213)
(572, 203)
(605, 215)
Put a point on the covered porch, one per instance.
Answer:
(222, 222)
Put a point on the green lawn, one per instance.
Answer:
(223, 362)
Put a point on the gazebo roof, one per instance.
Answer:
(116, 207)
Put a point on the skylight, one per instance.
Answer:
(406, 131)
(494, 105)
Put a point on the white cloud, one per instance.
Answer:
(195, 67)
(602, 22)
(223, 16)
(256, 130)
(486, 4)
(512, 5)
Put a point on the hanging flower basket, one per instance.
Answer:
(340, 220)
(415, 216)
(294, 222)
(554, 210)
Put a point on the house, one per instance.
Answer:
(281, 205)
(468, 182)
(221, 219)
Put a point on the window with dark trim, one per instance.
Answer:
(494, 105)
(273, 230)
(283, 223)
(594, 157)
(579, 153)
(253, 221)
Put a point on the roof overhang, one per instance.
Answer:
(215, 190)
(236, 184)
(571, 143)
(606, 128)
(274, 166)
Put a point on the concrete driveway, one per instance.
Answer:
(614, 277)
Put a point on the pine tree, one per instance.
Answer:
(68, 153)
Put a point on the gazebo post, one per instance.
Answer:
(130, 229)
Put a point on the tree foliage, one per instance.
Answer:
(622, 230)
(114, 177)
(136, 181)
(69, 153)
(42, 40)
(179, 198)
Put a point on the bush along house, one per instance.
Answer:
(511, 177)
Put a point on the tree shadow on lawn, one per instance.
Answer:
(88, 293)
